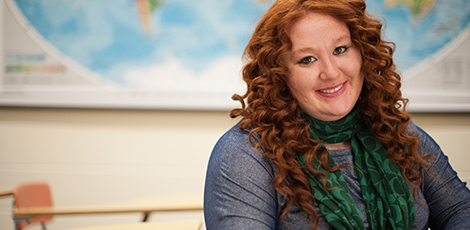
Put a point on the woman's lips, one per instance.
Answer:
(333, 91)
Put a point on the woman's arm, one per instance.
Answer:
(238, 192)
(447, 196)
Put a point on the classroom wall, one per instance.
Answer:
(93, 157)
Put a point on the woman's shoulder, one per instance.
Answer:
(235, 137)
(234, 149)
(426, 144)
(235, 141)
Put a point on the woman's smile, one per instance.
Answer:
(324, 67)
(333, 91)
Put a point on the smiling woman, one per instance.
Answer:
(324, 66)
(325, 141)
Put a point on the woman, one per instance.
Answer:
(325, 142)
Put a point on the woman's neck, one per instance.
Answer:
(337, 146)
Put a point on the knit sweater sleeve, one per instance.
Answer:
(238, 192)
(447, 196)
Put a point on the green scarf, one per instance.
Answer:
(389, 204)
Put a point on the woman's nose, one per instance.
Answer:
(329, 68)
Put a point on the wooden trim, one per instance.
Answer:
(168, 203)
(6, 192)
(164, 225)
(47, 211)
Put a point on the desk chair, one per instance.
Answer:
(32, 195)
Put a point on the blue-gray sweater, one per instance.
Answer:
(239, 193)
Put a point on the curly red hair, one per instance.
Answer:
(273, 112)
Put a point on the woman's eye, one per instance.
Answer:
(340, 50)
(307, 60)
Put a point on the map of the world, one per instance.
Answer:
(188, 54)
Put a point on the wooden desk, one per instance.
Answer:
(167, 225)
(6, 192)
(146, 205)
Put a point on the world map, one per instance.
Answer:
(417, 8)
(420, 28)
(153, 51)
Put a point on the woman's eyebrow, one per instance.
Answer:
(347, 37)
(311, 49)
(303, 50)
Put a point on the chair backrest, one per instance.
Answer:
(32, 195)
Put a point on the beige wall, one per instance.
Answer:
(107, 156)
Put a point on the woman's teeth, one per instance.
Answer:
(332, 90)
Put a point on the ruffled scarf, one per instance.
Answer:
(389, 203)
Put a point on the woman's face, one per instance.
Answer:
(324, 66)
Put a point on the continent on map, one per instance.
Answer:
(445, 27)
(418, 8)
(145, 8)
